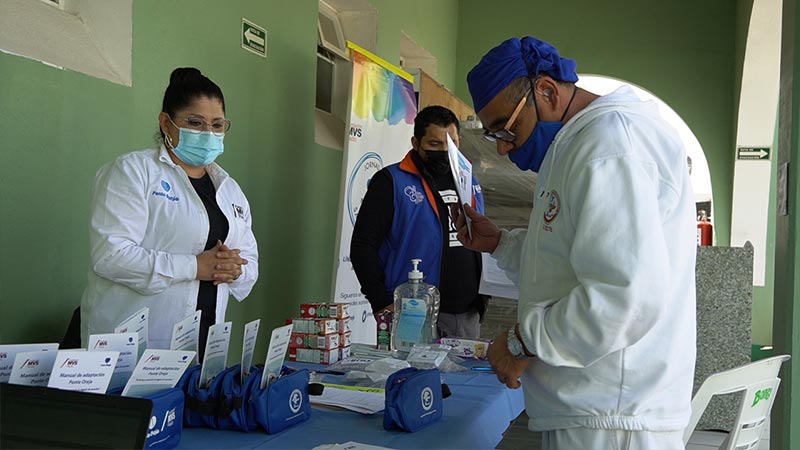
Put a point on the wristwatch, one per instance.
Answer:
(515, 345)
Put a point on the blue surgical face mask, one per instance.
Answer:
(529, 156)
(197, 149)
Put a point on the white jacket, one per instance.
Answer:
(147, 227)
(606, 274)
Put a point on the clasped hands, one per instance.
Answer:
(220, 264)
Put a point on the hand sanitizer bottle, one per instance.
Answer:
(416, 311)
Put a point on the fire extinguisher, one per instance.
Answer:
(704, 235)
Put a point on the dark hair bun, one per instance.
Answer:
(182, 74)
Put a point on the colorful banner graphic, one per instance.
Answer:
(382, 111)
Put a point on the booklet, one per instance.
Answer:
(33, 368)
(9, 352)
(248, 347)
(79, 370)
(137, 322)
(461, 169)
(278, 344)
(156, 371)
(216, 355)
(186, 334)
(127, 346)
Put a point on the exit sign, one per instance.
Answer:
(758, 153)
(254, 38)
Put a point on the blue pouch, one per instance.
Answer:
(281, 404)
(413, 399)
(232, 413)
(166, 421)
(203, 404)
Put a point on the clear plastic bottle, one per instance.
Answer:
(416, 311)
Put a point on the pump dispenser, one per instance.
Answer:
(416, 311)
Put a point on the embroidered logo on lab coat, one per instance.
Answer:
(553, 207)
(238, 210)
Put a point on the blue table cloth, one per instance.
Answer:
(475, 417)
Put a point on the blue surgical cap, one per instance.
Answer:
(515, 58)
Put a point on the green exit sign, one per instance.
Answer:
(254, 38)
(745, 153)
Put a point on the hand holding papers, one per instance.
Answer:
(278, 344)
(157, 370)
(461, 169)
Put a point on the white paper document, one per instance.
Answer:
(33, 368)
(156, 371)
(359, 399)
(249, 346)
(494, 281)
(79, 370)
(186, 333)
(215, 357)
(138, 322)
(9, 352)
(461, 169)
(278, 344)
(127, 344)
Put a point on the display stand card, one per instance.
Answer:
(33, 368)
(78, 370)
(216, 355)
(9, 352)
(156, 371)
(186, 333)
(137, 322)
(249, 346)
(127, 346)
(461, 169)
(278, 344)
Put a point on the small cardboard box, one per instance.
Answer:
(315, 356)
(304, 340)
(314, 310)
(315, 326)
(345, 339)
(344, 352)
(339, 310)
(384, 330)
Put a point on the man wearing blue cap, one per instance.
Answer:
(604, 347)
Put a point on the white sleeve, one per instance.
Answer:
(119, 218)
(620, 259)
(509, 254)
(241, 288)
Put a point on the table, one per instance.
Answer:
(475, 417)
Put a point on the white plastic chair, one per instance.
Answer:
(759, 381)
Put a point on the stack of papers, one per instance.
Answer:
(355, 398)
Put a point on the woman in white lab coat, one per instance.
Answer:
(170, 230)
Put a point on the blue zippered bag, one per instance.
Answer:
(413, 399)
(166, 421)
(281, 404)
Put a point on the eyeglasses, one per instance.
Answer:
(505, 134)
(197, 125)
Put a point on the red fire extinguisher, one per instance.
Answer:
(704, 234)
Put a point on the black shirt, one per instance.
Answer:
(459, 274)
(217, 230)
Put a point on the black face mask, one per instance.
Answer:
(437, 162)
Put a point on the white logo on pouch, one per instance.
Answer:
(153, 422)
(295, 401)
(169, 419)
(427, 398)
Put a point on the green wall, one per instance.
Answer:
(433, 24)
(60, 126)
(681, 51)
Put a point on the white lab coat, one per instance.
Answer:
(147, 227)
(606, 274)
